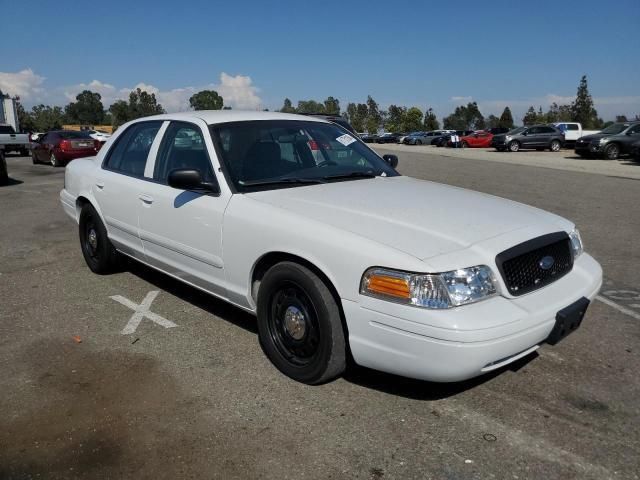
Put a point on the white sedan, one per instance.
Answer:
(99, 135)
(334, 253)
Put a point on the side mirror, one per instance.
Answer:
(190, 179)
(392, 160)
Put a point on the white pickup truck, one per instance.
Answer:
(572, 132)
(11, 141)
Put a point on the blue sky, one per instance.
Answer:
(257, 53)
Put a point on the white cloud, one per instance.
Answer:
(237, 91)
(24, 84)
(462, 99)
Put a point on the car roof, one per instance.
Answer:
(222, 116)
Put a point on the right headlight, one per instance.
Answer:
(576, 243)
(435, 291)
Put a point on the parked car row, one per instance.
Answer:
(615, 140)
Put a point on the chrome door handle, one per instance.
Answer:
(146, 199)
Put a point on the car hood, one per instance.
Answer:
(421, 218)
(595, 136)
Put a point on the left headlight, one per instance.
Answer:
(576, 243)
(436, 291)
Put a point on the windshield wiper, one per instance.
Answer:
(352, 175)
(281, 181)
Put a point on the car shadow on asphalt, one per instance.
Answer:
(421, 389)
(11, 182)
(195, 297)
(355, 374)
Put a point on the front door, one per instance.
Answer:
(181, 231)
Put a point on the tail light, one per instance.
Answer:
(97, 145)
(65, 144)
(313, 145)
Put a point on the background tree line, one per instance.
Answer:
(88, 109)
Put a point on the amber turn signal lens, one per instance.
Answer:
(386, 285)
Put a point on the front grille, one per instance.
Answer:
(527, 266)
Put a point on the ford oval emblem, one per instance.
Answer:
(547, 262)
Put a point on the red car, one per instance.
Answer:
(479, 139)
(60, 147)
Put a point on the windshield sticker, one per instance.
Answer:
(345, 139)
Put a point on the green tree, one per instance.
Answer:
(119, 113)
(374, 118)
(46, 118)
(25, 120)
(141, 104)
(412, 120)
(332, 106)
(310, 106)
(395, 118)
(287, 107)
(430, 121)
(531, 117)
(506, 119)
(582, 107)
(465, 118)
(86, 110)
(492, 121)
(206, 100)
(558, 113)
(621, 118)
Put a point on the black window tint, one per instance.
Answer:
(533, 131)
(571, 126)
(635, 130)
(129, 154)
(183, 147)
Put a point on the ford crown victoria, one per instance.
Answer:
(299, 222)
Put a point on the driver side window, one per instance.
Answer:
(183, 147)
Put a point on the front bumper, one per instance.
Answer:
(588, 148)
(443, 346)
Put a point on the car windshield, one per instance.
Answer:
(283, 153)
(615, 128)
(67, 135)
(515, 131)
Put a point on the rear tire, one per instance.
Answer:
(418, 142)
(299, 324)
(54, 160)
(98, 252)
(465, 145)
(612, 152)
(555, 146)
(514, 146)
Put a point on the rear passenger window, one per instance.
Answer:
(183, 148)
(129, 154)
(572, 126)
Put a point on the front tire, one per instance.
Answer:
(299, 324)
(514, 146)
(555, 146)
(612, 152)
(98, 252)
(465, 145)
(418, 142)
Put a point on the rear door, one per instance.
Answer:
(531, 139)
(545, 136)
(118, 185)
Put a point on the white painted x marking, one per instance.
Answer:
(142, 311)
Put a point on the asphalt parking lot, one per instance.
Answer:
(179, 388)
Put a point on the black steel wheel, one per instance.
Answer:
(299, 324)
(98, 252)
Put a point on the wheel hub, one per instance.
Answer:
(93, 239)
(295, 323)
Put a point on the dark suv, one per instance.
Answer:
(537, 137)
(610, 143)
